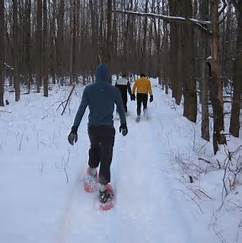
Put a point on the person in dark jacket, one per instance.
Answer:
(124, 86)
(100, 97)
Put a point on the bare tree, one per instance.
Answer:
(45, 49)
(74, 41)
(215, 82)
(189, 82)
(27, 44)
(235, 111)
(204, 52)
(2, 52)
(15, 50)
(39, 45)
(175, 54)
(108, 47)
(60, 41)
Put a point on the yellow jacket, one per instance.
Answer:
(143, 86)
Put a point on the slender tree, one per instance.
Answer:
(108, 48)
(204, 52)
(175, 54)
(16, 50)
(45, 49)
(215, 82)
(60, 41)
(235, 112)
(2, 52)
(189, 82)
(39, 45)
(27, 44)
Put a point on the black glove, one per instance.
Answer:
(72, 137)
(132, 97)
(123, 129)
(151, 98)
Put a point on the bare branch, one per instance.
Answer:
(67, 101)
(223, 8)
(165, 17)
(235, 3)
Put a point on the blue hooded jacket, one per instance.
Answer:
(100, 97)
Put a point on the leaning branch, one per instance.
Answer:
(201, 24)
(165, 17)
(66, 101)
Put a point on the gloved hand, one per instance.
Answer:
(132, 97)
(73, 137)
(123, 129)
(151, 98)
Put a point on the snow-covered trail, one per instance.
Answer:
(147, 207)
(38, 205)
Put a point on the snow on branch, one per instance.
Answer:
(165, 17)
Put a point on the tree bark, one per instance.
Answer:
(60, 41)
(15, 51)
(2, 52)
(215, 82)
(189, 82)
(45, 49)
(204, 44)
(235, 111)
(108, 47)
(27, 44)
(39, 46)
(175, 54)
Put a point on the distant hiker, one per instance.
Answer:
(143, 87)
(124, 86)
(100, 97)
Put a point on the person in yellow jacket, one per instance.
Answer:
(142, 88)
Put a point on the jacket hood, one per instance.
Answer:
(103, 74)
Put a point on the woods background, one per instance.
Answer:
(196, 53)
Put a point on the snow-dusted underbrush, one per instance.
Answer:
(214, 184)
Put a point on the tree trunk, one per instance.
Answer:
(189, 82)
(215, 82)
(27, 44)
(94, 35)
(175, 70)
(45, 49)
(39, 46)
(74, 43)
(108, 48)
(15, 51)
(235, 111)
(143, 68)
(52, 37)
(2, 52)
(60, 41)
(203, 44)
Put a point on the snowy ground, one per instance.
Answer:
(42, 200)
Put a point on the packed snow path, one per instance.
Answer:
(40, 178)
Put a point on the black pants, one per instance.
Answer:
(101, 150)
(124, 98)
(141, 99)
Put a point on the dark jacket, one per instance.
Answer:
(124, 86)
(100, 97)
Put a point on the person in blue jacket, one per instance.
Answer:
(100, 97)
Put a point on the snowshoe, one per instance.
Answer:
(91, 181)
(106, 198)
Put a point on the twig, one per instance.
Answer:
(205, 160)
(67, 101)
